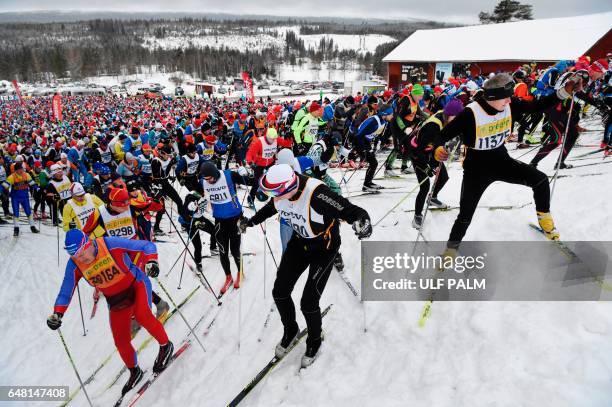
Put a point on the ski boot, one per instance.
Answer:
(136, 375)
(237, 281)
(158, 232)
(33, 229)
(548, 226)
(3, 222)
(161, 310)
(227, 284)
(435, 202)
(417, 222)
(563, 166)
(214, 251)
(448, 255)
(199, 267)
(406, 170)
(251, 202)
(15, 232)
(163, 357)
(312, 348)
(289, 339)
(339, 262)
(370, 188)
(389, 173)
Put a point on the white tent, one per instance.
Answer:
(533, 40)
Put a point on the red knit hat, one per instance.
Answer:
(119, 197)
(314, 106)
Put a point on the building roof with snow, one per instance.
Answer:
(532, 40)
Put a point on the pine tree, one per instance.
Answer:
(507, 10)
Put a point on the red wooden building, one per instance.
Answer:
(497, 47)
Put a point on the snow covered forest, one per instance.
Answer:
(202, 47)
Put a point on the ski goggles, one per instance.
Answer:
(281, 188)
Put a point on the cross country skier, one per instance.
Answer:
(106, 264)
(160, 167)
(58, 191)
(483, 127)
(220, 190)
(262, 154)
(19, 183)
(369, 129)
(558, 116)
(422, 161)
(188, 168)
(407, 116)
(314, 213)
(194, 222)
(79, 208)
(119, 218)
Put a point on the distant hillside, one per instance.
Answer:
(215, 46)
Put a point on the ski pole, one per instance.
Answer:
(400, 201)
(198, 271)
(180, 312)
(265, 258)
(240, 305)
(59, 331)
(58, 244)
(429, 196)
(81, 308)
(554, 178)
(189, 238)
(177, 259)
(269, 247)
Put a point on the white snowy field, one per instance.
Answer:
(259, 39)
(492, 354)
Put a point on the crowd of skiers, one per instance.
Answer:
(112, 168)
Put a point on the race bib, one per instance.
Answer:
(120, 227)
(491, 135)
(103, 272)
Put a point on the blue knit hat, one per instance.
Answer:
(75, 240)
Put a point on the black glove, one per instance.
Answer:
(244, 223)
(55, 320)
(363, 227)
(152, 268)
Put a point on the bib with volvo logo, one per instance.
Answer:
(207, 152)
(105, 155)
(298, 213)
(267, 150)
(192, 164)
(120, 225)
(222, 196)
(103, 272)
(491, 130)
(62, 187)
(145, 164)
(83, 212)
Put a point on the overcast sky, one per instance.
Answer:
(451, 11)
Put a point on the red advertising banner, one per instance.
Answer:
(18, 91)
(248, 84)
(57, 107)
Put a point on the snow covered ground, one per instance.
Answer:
(257, 39)
(469, 354)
